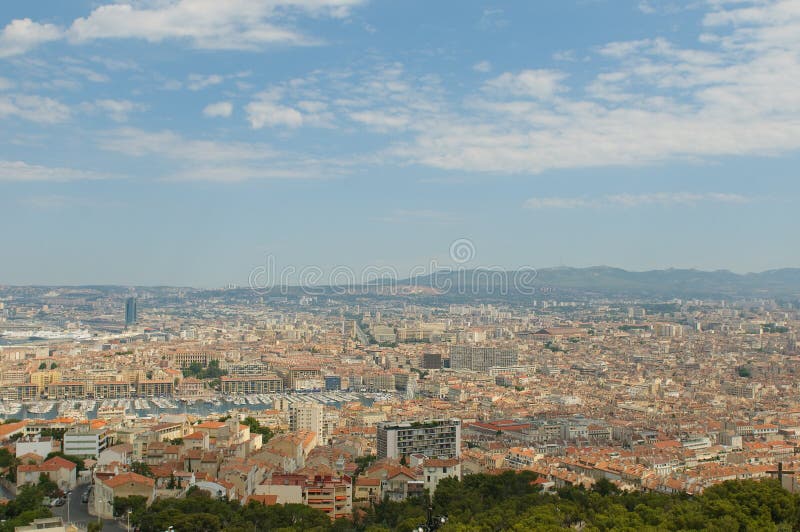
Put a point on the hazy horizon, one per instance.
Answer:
(453, 268)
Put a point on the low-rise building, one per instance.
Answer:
(85, 442)
(118, 486)
(59, 470)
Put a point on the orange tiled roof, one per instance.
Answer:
(124, 478)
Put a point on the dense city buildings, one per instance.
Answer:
(274, 401)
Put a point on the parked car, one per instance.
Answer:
(60, 501)
(85, 496)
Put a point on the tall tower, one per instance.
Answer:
(130, 312)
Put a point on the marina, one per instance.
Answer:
(108, 408)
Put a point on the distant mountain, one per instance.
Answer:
(608, 281)
(482, 285)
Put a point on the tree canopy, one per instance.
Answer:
(507, 501)
(257, 428)
(511, 501)
(212, 371)
(25, 507)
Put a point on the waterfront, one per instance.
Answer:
(155, 406)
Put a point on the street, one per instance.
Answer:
(79, 514)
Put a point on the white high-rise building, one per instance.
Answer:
(314, 417)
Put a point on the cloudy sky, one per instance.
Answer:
(183, 141)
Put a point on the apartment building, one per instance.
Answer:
(331, 494)
(482, 358)
(66, 390)
(155, 388)
(85, 442)
(187, 358)
(438, 438)
(112, 390)
(249, 385)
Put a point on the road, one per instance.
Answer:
(79, 513)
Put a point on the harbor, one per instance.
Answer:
(154, 406)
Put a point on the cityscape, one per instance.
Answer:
(364, 266)
(664, 395)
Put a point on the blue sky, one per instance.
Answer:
(183, 141)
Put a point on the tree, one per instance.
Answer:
(140, 468)
(55, 433)
(47, 486)
(43, 365)
(256, 428)
(193, 370)
(23, 509)
(605, 487)
(6, 458)
(363, 463)
(135, 503)
(9, 461)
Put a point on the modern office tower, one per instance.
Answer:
(438, 438)
(130, 312)
(482, 358)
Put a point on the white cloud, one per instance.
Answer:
(33, 108)
(731, 95)
(21, 35)
(170, 145)
(117, 110)
(380, 98)
(236, 174)
(21, 171)
(267, 111)
(636, 200)
(482, 66)
(89, 74)
(665, 7)
(541, 84)
(176, 158)
(379, 120)
(219, 109)
(232, 24)
(216, 25)
(565, 56)
(197, 81)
